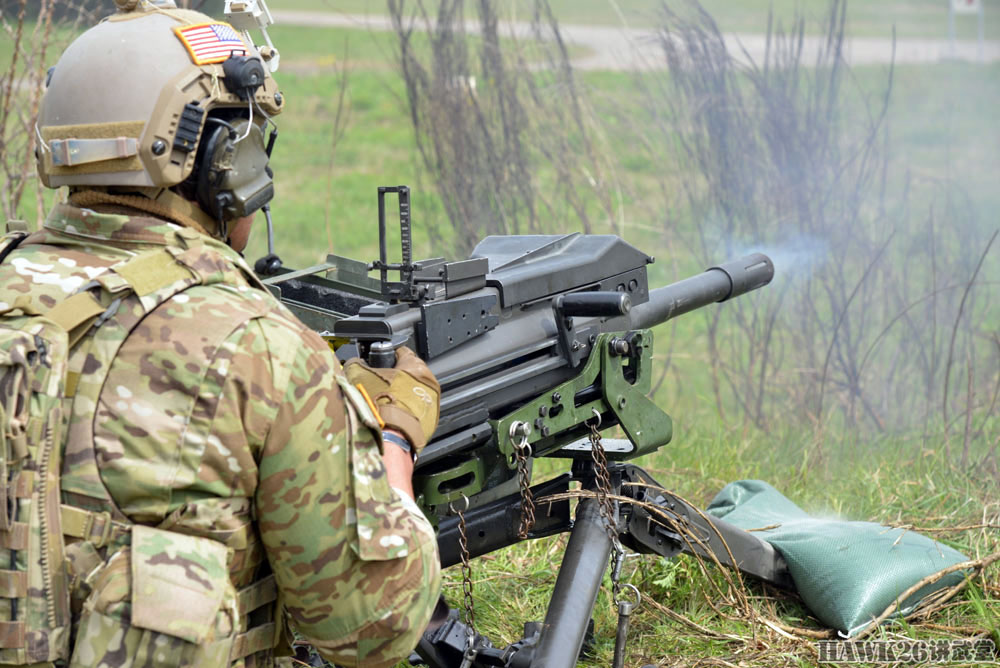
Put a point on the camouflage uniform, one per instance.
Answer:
(222, 416)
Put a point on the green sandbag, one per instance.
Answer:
(847, 573)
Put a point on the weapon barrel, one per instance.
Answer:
(722, 282)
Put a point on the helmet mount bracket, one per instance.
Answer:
(247, 15)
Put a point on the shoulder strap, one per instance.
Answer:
(76, 314)
(9, 242)
(145, 274)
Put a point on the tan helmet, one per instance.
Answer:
(131, 101)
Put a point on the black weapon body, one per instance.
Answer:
(512, 324)
(533, 338)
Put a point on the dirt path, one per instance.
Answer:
(631, 49)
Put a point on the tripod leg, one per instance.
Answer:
(575, 593)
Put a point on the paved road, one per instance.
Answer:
(631, 49)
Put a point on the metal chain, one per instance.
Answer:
(617, 562)
(463, 546)
(522, 451)
(602, 481)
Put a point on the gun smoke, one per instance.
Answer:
(879, 316)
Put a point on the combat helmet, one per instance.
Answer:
(162, 108)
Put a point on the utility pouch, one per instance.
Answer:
(164, 601)
(384, 525)
(34, 592)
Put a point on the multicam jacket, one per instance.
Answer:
(221, 416)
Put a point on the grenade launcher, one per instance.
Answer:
(540, 343)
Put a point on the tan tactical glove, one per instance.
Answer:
(407, 397)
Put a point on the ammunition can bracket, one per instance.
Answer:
(467, 478)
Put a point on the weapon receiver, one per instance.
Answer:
(533, 333)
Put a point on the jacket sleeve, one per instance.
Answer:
(356, 563)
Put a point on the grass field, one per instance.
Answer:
(943, 124)
(895, 482)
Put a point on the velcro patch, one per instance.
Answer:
(211, 42)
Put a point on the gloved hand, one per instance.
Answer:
(407, 396)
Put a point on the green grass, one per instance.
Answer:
(893, 481)
(327, 46)
(307, 50)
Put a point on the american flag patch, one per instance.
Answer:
(211, 42)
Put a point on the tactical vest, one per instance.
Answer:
(80, 584)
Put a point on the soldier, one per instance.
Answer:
(219, 480)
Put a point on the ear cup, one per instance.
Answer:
(219, 147)
(234, 179)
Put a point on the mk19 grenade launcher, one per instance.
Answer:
(540, 342)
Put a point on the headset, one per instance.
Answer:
(232, 177)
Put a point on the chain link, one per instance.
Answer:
(463, 546)
(602, 480)
(522, 451)
(617, 562)
(603, 483)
